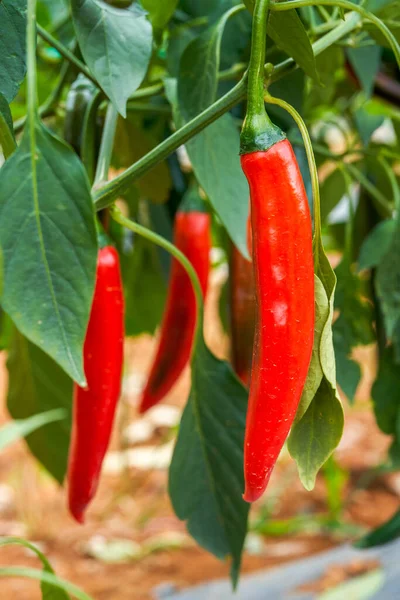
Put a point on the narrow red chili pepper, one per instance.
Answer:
(284, 277)
(192, 237)
(242, 310)
(94, 407)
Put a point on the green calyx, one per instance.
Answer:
(258, 132)
(192, 201)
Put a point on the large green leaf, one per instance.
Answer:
(14, 431)
(36, 385)
(49, 591)
(206, 474)
(214, 151)
(116, 45)
(48, 238)
(289, 34)
(159, 12)
(13, 47)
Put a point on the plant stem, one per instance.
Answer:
(291, 4)
(258, 131)
(107, 194)
(163, 243)
(312, 167)
(31, 63)
(106, 146)
(66, 53)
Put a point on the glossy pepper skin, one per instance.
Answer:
(242, 310)
(94, 407)
(192, 237)
(284, 279)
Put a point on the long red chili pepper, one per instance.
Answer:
(284, 277)
(94, 407)
(242, 310)
(192, 237)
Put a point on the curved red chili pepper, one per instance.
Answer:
(284, 276)
(192, 237)
(94, 407)
(242, 310)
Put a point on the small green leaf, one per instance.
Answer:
(333, 188)
(116, 45)
(13, 53)
(377, 244)
(206, 474)
(49, 591)
(388, 284)
(45, 578)
(365, 62)
(382, 535)
(48, 238)
(289, 34)
(315, 373)
(37, 385)
(159, 12)
(12, 432)
(7, 139)
(367, 123)
(316, 435)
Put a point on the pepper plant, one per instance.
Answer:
(86, 85)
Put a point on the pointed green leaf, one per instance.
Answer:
(386, 393)
(48, 238)
(37, 385)
(116, 45)
(365, 62)
(13, 46)
(317, 434)
(388, 284)
(382, 535)
(289, 34)
(159, 12)
(12, 432)
(376, 245)
(206, 474)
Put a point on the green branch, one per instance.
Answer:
(106, 195)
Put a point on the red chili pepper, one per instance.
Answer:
(284, 276)
(94, 407)
(242, 310)
(192, 237)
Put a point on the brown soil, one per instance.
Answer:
(133, 504)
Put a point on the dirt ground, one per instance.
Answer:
(132, 542)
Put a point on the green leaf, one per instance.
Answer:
(7, 139)
(198, 72)
(37, 385)
(12, 432)
(315, 373)
(317, 434)
(386, 393)
(216, 163)
(116, 45)
(48, 238)
(366, 62)
(376, 245)
(327, 353)
(382, 535)
(13, 53)
(49, 591)
(367, 123)
(389, 12)
(333, 188)
(45, 577)
(143, 280)
(206, 474)
(289, 34)
(132, 142)
(159, 12)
